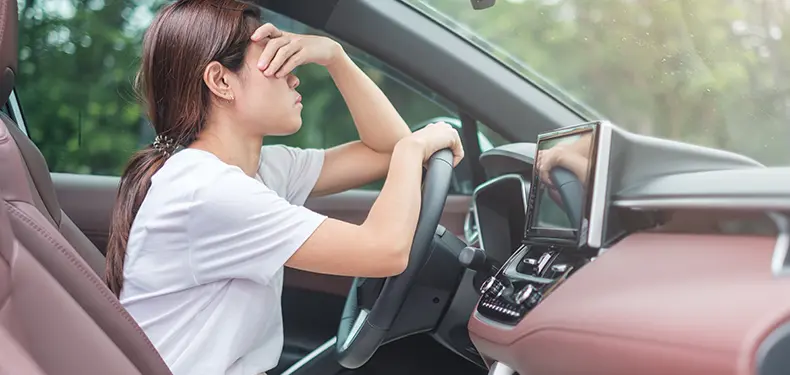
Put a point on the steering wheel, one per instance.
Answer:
(571, 191)
(361, 332)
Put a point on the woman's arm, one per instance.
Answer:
(576, 163)
(380, 246)
(582, 145)
(379, 125)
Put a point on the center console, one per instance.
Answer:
(555, 241)
(531, 274)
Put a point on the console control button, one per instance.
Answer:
(529, 266)
(543, 261)
(560, 268)
(487, 284)
(528, 297)
(523, 294)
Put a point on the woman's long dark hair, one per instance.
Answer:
(182, 40)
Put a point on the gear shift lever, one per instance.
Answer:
(475, 259)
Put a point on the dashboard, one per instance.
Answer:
(595, 261)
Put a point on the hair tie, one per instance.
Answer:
(165, 144)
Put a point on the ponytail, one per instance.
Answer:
(135, 181)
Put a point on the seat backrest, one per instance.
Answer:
(42, 192)
(36, 170)
(14, 359)
(49, 331)
(50, 252)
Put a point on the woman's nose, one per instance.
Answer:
(293, 81)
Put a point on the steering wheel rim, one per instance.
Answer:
(361, 332)
(571, 192)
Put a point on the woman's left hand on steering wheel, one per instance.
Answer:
(285, 51)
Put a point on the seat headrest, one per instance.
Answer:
(8, 47)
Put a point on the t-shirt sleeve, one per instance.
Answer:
(291, 172)
(239, 228)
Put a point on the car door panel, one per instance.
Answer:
(89, 200)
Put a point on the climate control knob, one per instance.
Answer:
(529, 296)
(487, 284)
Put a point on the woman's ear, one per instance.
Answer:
(216, 78)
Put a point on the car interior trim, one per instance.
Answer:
(600, 189)
(525, 186)
(499, 368)
(771, 356)
(328, 345)
(725, 203)
(358, 322)
(780, 264)
(16, 112)
(471, 231)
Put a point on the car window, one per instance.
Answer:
(326, 119)
(713, 73)
(77, 65)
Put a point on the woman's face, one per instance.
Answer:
(268, 105)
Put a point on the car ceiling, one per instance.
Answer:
(454, 68)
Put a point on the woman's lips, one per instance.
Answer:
(298, 99)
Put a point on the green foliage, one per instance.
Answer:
(78, 60)
(710, 72)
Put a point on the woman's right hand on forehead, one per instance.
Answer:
(435, 137)
(284, 51)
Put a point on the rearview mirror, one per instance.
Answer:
(482, 4)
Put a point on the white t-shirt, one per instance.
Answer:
(204, 264)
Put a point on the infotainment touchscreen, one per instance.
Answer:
(558, 200)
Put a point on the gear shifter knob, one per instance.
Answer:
(473, 258)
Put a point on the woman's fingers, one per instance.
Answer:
(266, 31)
(282, 55)
(295, 60)
(458, 149)
(270, 50)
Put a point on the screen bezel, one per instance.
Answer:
(563, 235)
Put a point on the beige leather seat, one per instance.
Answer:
(52, 300)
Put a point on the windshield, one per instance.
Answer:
(714, 73)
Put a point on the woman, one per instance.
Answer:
(206, 217)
